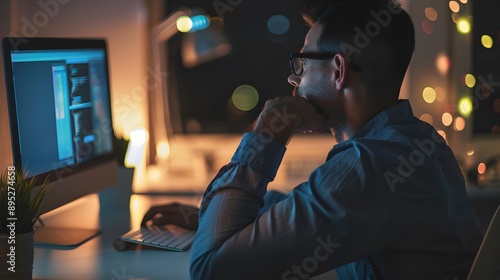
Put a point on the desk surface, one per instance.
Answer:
(114, 212)
(96, 258)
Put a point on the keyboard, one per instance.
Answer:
(167, 237)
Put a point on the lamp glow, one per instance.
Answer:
(163, 149)
(135, 150)
(184, 24)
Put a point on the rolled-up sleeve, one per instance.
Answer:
(311, 230)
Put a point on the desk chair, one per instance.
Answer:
(486, 266)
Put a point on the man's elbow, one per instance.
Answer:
(200, 267)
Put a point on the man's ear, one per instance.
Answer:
(340, 65)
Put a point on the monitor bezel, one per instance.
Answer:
(10, 44)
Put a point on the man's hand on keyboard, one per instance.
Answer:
(176, 214)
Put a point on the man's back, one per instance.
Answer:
(434, 229)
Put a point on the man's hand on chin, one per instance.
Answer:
(283, 116)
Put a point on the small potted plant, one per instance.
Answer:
(21, 200)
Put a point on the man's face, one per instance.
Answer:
(316, 83)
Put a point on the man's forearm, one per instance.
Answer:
(233, 200)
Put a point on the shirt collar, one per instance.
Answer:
(395, 114)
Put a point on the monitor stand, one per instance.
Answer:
(60, 237)
(70, 225)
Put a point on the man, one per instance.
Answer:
(388, 203)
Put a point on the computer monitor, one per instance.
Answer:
(60, 118)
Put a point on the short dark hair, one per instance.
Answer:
(376, 35)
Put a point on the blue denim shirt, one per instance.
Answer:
(389, 203)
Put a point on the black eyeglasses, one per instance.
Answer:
(297, 60)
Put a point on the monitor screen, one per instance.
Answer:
(59, 110)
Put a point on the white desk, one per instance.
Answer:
(96, 259)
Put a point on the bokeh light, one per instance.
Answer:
(447, 119)
(278, 24)
(138, 136)
(463, 26)
(496, 105)
(163, 149)
(443, 63)
(464, 1)
(245, 97)
(427, 118)
(465, 106)
(481, 168)
(429, 95)
(200, 22)
(454, 6)
(427, 27)
(469, 149)
(487, 41)
(431, 14)
(470, 80)
(192, 125)
(184, 24)
(442, 133)
(440, 93)
(459, 124)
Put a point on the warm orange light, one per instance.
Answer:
(481, 168)
(459, 124)
(443, 63)
(440, 93)
(427, 118)
(447, 119)
(431, 13)
(163, 149)
(442, 133)
(469, 149)
(429, 95)
(454, 6)
(427, 27)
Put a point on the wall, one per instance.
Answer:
(5, 151)
(122, 22)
